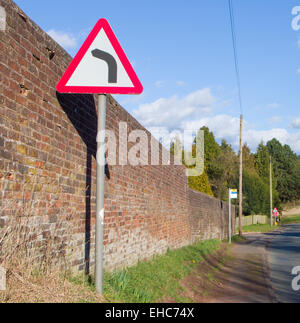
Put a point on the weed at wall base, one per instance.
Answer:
(152, 280)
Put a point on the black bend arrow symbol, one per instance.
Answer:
(111, 62)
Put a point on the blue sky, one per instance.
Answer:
(182, 53)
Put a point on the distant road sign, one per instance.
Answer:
(233, 194)
(100, 66)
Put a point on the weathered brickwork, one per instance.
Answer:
(209, 217)
(47, 165)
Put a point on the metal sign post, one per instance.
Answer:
(233, 193)
(100, 66)
(100, 193)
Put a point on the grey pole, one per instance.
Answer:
(100, 193)
(229, 220)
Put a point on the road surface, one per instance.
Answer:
(283, 256)
(260, 270)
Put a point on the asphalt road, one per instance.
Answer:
(283, 256)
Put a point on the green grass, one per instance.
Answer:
(290, 219)
(237, 238)
(152, 280)
(267, 227)
(259, 228)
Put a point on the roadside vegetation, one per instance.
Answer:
(221, 172)
(156, 279)
(238, 239)
(36, 275)
(149, 281)
(259, 228)
(46, 287)
(291, 219)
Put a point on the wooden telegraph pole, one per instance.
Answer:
(271, 193)
(231, 14)
(241, 178)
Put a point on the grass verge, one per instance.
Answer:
(259, 228)
(238, 239)
(152, 280)
(262, 228)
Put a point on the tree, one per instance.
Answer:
(221, 173)
(199, 183)
(262, 165)
(228, 163)
(262, 161)
(256, 194)
(286, 170)
(255, 188)
(213, 169)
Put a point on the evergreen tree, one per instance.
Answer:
(213, 168)
(198, 183)
(286, 170)
(221, 173)
(201, 184)
(262, 161)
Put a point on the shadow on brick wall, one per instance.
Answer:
(81, 111)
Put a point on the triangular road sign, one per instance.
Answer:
(100, 66)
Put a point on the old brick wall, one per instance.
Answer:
(210, 217)
(47, 166)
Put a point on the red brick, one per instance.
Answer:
(49, 150)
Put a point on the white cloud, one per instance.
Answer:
(254, 137)
(298, 70)
(295, 124)
(223, 126)
(66, 40)
(195, 111)
(171, 112)
(228, 127)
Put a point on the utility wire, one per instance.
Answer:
(232, 23)
(241, 119)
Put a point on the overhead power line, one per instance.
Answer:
(231, 12)
(236, 63)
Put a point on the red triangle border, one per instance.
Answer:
(137, 86)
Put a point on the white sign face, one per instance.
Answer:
(233, 194)
(93, 71)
